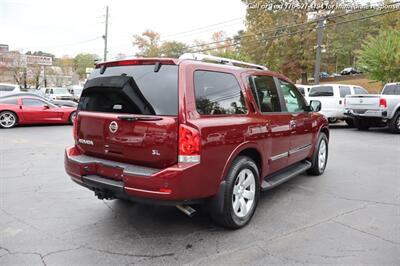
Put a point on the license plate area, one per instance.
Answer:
(110, 172)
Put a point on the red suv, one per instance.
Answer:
(184, 132)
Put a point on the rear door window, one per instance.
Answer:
(321, 91)
(265, 93)
(344, 90)
(393, 89)
(218, 93)
(159, 90)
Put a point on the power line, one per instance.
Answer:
(296, 32)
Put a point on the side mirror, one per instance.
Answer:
(315, 105)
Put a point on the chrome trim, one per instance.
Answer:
(129, 169)
(298, 149)
(279, 156)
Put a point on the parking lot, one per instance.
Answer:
(349, 215)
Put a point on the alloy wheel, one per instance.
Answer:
(7, 119)
(244, 191)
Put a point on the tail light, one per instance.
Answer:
(382, 103)
(188, 145)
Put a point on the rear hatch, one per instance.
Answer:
(129, 114)
(362, 102)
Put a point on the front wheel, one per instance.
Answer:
(332, 120)
(241, 194)
(320, 156)
(8, 119)
(72, 118)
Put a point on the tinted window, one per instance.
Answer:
(6, 88)
(301, 90)
(159, 89)
(344, 90)
(218, 93)
(293, 99)
(321, 91)
(266, 94)
(393, 89)
(8, 101)
(33, 103)
(359, 90)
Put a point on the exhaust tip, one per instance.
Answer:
(186, 209)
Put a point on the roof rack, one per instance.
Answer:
(220, 60)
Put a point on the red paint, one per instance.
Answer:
(38, 115)
(221, 139)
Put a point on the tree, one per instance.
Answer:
(83, 61)
(380, 56)
(173, 49)
(148, 44)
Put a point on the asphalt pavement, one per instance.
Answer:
(349, 215)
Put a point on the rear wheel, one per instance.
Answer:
(361, 124)
(320, 156)
(349, 122)
(394, 123)
(8, 119)
(72, 118)
(241, 194)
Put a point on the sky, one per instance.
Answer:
(69, 27)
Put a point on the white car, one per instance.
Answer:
(7, 88)
(59, 94)
(332, 98)
(304, 89)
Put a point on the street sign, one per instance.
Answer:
(39, 60)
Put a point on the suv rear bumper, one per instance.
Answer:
(172, 185)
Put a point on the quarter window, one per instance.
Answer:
(293, 99)
(265, 93)
(218, 94)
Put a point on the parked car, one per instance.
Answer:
(76, 91)
(323, 75)
(304, 89)
(7, 88)
(332, 97)
(58, 93)
(376, 109)
(218, 135)
(350, 71)
(41, 94)
(26, 109)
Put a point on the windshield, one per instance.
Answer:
(140, 90)
(321, 91)
(60, 91)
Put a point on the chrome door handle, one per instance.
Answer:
(292, 124)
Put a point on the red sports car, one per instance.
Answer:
(22, 110)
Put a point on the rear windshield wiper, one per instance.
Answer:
(139, 118)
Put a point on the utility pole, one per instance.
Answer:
(320, 32)
(105, 36)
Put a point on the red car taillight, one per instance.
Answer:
(188, 145)
(382, 103)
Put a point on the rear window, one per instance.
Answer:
(321, 91)
(359, 90)
(8, 101)
(344, 90)
(159, 91)
(6, 88)
(218, 94)
(393, 89)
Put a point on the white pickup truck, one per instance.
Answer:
(376, 109)
(332, 98)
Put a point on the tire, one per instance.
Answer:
(332, 120)
(320, 157)
(361, 124)
(71, 118)
(8, 119)
(394, 123)
(242, 183)
(349, 122)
